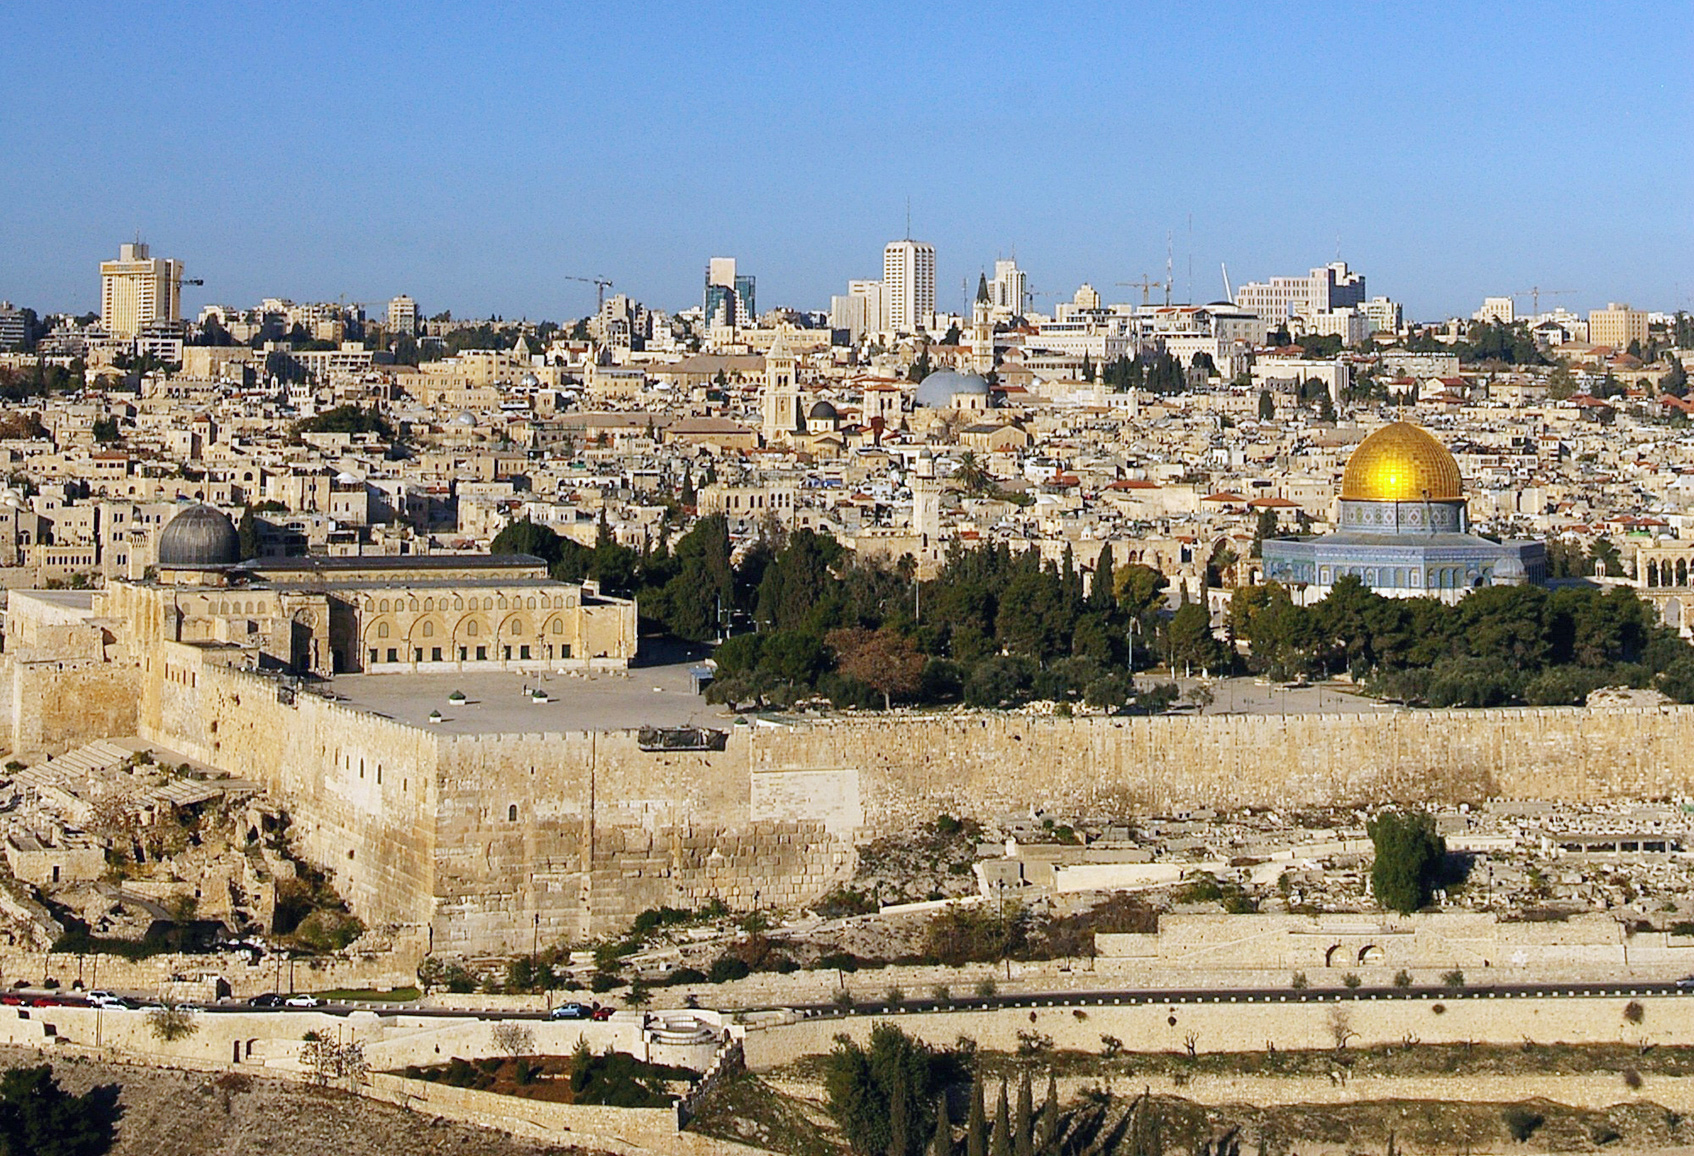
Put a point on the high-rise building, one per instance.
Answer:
(729, 296)
(1009, 290)
(1617, 325)
(1331, 287)
(137, 289)
(403, 315)
(908, 273)
(12, 328)
(863, 310)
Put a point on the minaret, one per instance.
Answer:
(926, 502)
(781, 402)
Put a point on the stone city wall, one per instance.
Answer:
(360, 789)
(503, 841)
(1240, 1026)
(55, 706)
(159, 974)
(560, 836)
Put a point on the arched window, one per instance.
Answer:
(470, 628)
(512, 813)
(1652, 573)
(382, 630)
(429, 630)
(383, 606)
(558, 626)
(1682, 571)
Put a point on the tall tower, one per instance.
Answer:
(926, 503)
(908, 275)
(138, 289)
(780, 405)
(982, 328)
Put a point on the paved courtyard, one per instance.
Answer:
(496, 701)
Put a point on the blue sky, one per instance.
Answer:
(470, 154)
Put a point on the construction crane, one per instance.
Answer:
(1534, 293)
(1146, 283)
(600, 284)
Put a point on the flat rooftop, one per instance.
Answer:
(495, 702)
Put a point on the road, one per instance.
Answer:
(1037, 999)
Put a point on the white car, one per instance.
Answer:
(106, 999)
(303, 1000)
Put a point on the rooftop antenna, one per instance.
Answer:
(1168, 251)
(1190, 290)
(908, 216)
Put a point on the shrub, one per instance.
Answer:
(1634, 1012)
(1298, 981)
(986, 987)
(1402, 978)
(1521, 1122)
(171, 1022)
(895, 995)
(1351, 980)
(1454, 978)
(727, 968)
(604, 982)
(684, 975)
(1632, 1079)
(839, 961)
(963, 935)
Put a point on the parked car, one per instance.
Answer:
(571, 1011)
(268, 999)
(303, 1000)
(1686, 983)
(601, 1013)
(106, 999)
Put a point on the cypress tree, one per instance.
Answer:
(899, 1122)
(1001, 1145)
(1023, 1123)
(976, 1122)
(941, 1144)
(1049, 1116)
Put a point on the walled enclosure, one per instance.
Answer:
(497, 842)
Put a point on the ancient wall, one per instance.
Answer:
(360, 789)
(500, 842)
(910, 768)
(559, 836)
(54, 706)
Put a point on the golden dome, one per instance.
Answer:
(1401, 463)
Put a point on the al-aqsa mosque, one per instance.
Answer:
(1403, 531)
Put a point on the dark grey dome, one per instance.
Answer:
(936, 391)
(820, 411)
(199, 536)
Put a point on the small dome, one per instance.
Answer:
(1510, 571)
(466, 419)
(199, 536)
(1402, 463)
(937, 390)
(821, 411)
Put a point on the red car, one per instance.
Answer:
(601, 1013)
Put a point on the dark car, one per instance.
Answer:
(571, 1011)
(269, 999)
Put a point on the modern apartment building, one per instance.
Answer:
(403, 315)
(1617, 325)
(908, 273)
(1324, 289)
(11, 327)
(1499, 310)
(863, 310)
(137, 289)
(1009, 289)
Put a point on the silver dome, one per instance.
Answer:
(199, 536)
(936, 391)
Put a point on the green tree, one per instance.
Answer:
(39, 1118)
(1409, 855)
(1267, 406)
(526, 537)
(1189, 641)
(882, 1094)
(1000, 1144)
